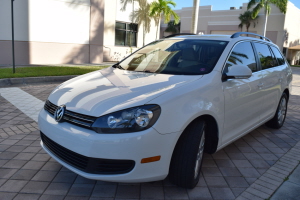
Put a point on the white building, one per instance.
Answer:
(284, 30)
(68, 31)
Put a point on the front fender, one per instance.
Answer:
(181, 106)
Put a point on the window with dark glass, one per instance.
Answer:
(278, 55)
(284, 51)
(266, 58)
(125, 34)
(242, 54)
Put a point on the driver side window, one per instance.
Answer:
(242, 54)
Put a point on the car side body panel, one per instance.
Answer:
(194, 99)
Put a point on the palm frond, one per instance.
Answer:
(251, 3)
(256, 10)
(246, 19)
(161, 7)
(280, 4)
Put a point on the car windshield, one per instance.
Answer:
(183, 57)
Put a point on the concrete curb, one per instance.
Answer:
(32, 80)
(267, 184)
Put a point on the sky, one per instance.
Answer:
(219, 4)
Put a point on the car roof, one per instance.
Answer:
(203, 37)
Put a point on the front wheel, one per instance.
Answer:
(279, 118)
(188, 155)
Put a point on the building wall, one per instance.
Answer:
(117, 53)
(21, 32)
(47, 31)
(226, 22)
(291, 36)
(283, 30)
(63, 31)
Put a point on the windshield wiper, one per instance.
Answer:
(146, 71)
(117, 65)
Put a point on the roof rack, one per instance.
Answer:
(178, 34)
(237, 34)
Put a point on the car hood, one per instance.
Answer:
(108, 90)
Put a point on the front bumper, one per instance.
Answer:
(127, 146)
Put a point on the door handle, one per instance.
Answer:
(260, 85)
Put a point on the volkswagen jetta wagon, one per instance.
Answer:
(157, 111)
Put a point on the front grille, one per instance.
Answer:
(88, 164)
(50, 107)
(72, 117)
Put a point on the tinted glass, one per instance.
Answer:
(265, 56)
(132, 27)
(131, 39)
(278, 55)
(120, 37)
(120, 25)
(242, 54)
(125, 34)
(184, 57)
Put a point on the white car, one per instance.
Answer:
(154, 113)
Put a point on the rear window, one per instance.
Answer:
(278, 56)
(183, 57)
(265, 56)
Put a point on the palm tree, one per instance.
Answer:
(142, 16)
(173, 27)
(161, 7)
(259, 4)
(246, 19)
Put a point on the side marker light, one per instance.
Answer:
(150, 159)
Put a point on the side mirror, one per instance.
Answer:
(238, 72)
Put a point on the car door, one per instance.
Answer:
(242, 97)
(272, 77)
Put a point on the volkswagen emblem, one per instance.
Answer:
(59, 113)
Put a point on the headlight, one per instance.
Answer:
(129, 120)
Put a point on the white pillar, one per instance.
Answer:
(195, 16)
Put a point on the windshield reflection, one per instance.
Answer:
(184, 57)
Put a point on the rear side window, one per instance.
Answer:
(242, 54)
(278, 56)
(266, 58)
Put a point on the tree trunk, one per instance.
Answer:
(265, 25)
(144, 34)
(195, 16)
(158, 24)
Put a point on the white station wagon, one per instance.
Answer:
(154, 113)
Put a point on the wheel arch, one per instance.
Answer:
(287, 92)
(211, 133)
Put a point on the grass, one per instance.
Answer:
(47, 71)
(295, 65)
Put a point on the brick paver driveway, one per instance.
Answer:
(27, 172)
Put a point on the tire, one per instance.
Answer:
(187, 157)
(278, 120)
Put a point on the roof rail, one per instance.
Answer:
(178, 34)
(237, 34)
